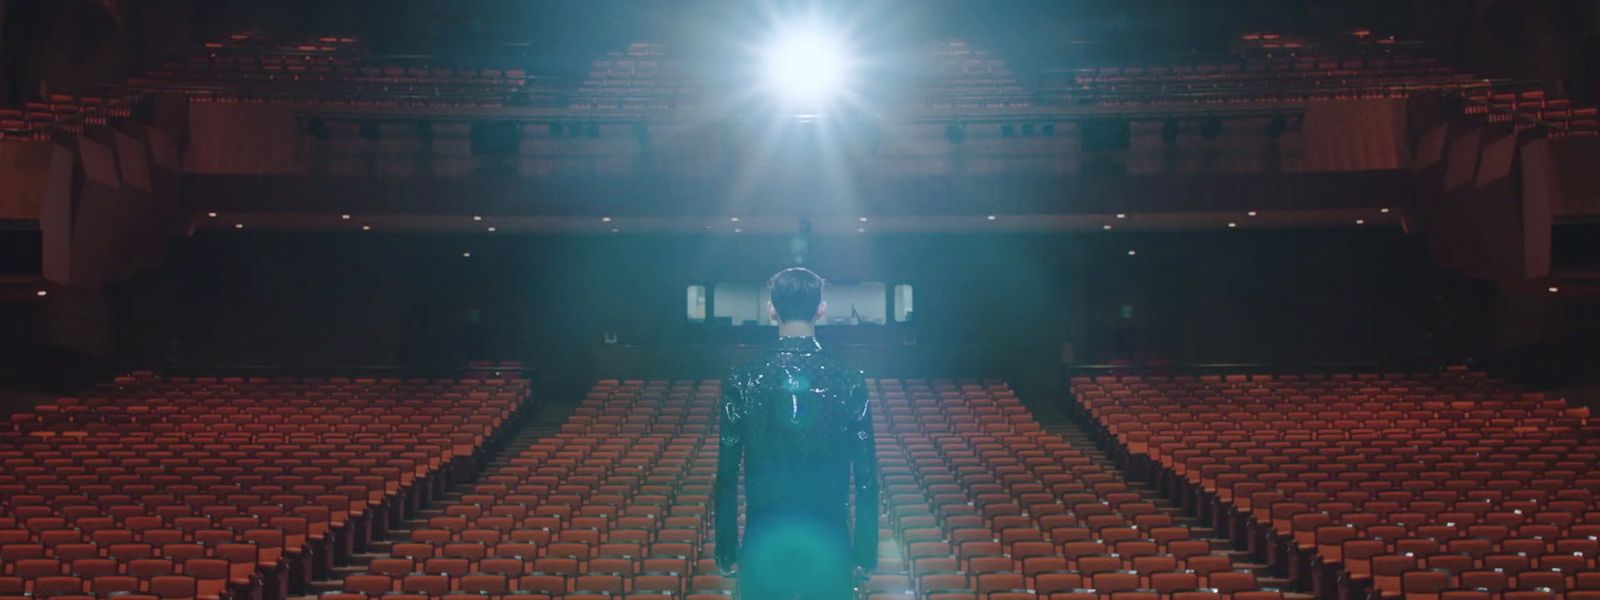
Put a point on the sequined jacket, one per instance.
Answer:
(799, 420)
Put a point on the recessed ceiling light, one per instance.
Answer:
(614, 230)
(605, 219)
(466, 255)
(366, 228)
(1106, 227)
(992, 217)
(212, 214)
(861, 230)
(863, 219)
(1384, 210)
(1122, 215)
(1133, 252)
(1251, 213)
(238, 225)
(477, 217)
(491, 229)
(345, 217)
(1553, 289)
(738, 230)
(734, 219)
(1232, 225)
(1361, 221)
(41, 293)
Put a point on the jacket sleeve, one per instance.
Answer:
(730, 453)
(864, 462)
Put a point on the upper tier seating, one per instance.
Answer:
(1415, 485)
(66, 112)
(1527, 107)
(336, 70)
(204, 487)
(1297, 77)
(967, 78)
(978, 502)
(638, 79)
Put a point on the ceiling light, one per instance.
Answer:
(366, 228)
(1361, 221)
(1106, 227)
(491, 229)
(212, 214)
(477, 217)
(238, 225)
(1251, 213)
(738, 230)
(614, 230)
(1122, 215)
(861, 230)
(41, 293)
(1133, 252)
(605, 219)
(1232, 225)
(992, 217)
(1553, 289)
(1384, 210)
(345, 217)
(466, 255)
(863, 219)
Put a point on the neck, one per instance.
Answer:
(797, 329)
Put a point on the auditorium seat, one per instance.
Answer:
(615, 503)
(207, 487)
(1417, 485)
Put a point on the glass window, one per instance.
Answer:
(855, 303)
(697, 303)
(861, 303)
(902, 303)
(740, 303)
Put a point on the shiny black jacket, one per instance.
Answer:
(799, 420)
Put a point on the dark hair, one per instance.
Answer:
(796, 293)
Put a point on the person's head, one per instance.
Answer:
(796, 296)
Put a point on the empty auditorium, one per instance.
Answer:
(799, 300)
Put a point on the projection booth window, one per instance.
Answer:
(745, 303)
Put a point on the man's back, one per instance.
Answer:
(798, 419)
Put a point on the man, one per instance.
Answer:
(799, 421)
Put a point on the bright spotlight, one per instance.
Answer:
(807, 66)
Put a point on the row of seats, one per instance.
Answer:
(1417, 485)
(613, 503)
(979, 502)
(183, 487)
(333, 70)
(66, 112)
(640, 78)
(967, 78)
(1255, 80)
(1527, 108)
